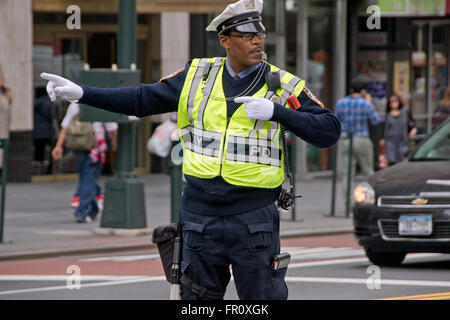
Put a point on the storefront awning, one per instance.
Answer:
(142, 6)
(405, 8)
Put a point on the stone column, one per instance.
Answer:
(16, 40)
(174, 41)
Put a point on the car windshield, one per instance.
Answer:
(437, 147)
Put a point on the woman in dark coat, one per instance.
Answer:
(399, 128)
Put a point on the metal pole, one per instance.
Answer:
(298, 145)
(333, 184)
(292, 164)
(302, 71)
(429, 76)
(4, 146)
(175, 191)
(280, 54)
(124, 193)
(339, 50)
(126, 55)
(349, 173)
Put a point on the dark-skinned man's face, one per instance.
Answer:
(242, 53)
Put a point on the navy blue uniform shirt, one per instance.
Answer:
(311, 122)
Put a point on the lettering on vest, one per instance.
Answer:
(201, 141)
(251, 150)
(259, 151)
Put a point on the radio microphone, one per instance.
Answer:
(263, 56)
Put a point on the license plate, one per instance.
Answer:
(415, 225)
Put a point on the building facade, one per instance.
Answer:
(326, 42)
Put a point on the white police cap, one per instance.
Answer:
(242, 16)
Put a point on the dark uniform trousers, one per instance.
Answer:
(246, 241)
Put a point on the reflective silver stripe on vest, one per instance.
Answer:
(251, 150)
(200, 141)
(207, 92)
(289, 88)
(194, 86)
(260, 123)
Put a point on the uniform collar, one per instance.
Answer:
(243, 73)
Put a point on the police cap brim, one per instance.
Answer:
(247, 22)
(256, 26)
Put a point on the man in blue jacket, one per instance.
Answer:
(229, 123)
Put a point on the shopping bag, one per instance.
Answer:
(160, 143)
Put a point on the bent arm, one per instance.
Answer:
(311, 122)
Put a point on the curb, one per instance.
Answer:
(25, 255)
(72, 252)
(123, 232)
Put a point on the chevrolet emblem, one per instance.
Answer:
(419, 201)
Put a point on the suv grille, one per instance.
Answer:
(436, 200)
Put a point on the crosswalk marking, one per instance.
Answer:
(124, 258)
(391, 282)
(125, 280)
(297, 254)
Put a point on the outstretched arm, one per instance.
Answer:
(141, 101)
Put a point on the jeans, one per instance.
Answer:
(89, 173)
(246, 241)
(362, 154)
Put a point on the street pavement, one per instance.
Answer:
(39, 221)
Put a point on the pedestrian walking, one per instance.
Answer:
(442, 111)
(356, 113)
(42, 131)
(230, 113)
(88, 199)
(399, 128)
(5, 104)
(5, 89)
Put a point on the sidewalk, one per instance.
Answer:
(39, 221)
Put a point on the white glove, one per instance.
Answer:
(257, 108)
(59, 86)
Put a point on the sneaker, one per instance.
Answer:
(75, 202)
(100, 201)
(84, 220)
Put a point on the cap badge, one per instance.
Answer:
(249, 4)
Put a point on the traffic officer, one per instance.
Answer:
(229, 123)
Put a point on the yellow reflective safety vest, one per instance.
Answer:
(243, 151)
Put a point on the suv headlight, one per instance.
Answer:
(364, 194)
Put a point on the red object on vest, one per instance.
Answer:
(293, 102)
